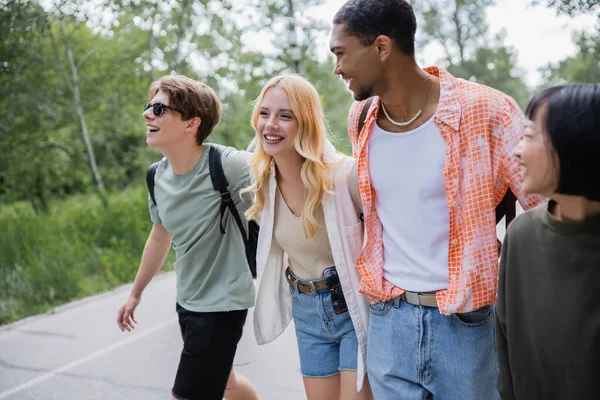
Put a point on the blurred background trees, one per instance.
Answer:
(74, 76)
(74, 73)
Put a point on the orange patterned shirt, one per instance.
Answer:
(481, 127)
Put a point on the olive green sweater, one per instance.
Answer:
(548, 308)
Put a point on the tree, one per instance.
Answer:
(71, 79)
(461, 29)
(76, 66)
(459, 26)
(583, 67)
(494, 65)
(571, 7)
(27, 164)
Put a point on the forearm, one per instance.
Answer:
(155, 251)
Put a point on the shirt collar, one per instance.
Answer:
(449, 109)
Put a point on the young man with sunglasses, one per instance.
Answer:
(214, 284)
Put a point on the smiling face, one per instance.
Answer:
(277, 125)
(358, 65)
(166, 130)
(537, 157)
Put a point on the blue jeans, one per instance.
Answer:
(414, 352)
(327, 341)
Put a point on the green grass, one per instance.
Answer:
(80, 248)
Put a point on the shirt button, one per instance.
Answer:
(450, 165)
(454, 241)
(453, 277)
(453, 204)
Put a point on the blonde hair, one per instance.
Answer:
(309, 143)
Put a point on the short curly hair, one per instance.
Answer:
(367, 19)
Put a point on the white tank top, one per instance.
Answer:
(406, 172)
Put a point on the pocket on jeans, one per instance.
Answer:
(294, 293)
(380, 308)
(475, 318)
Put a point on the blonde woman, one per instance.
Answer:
(307, 197)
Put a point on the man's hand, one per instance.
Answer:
(125, 318)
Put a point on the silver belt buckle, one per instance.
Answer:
(412, 298)
(313, 289)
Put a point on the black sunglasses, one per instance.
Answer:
(159, 108)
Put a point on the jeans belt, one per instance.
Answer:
(304, 286)
(418, 299)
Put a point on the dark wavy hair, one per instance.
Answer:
(367, 19)
(572, 127)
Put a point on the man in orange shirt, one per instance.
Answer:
(435, 159)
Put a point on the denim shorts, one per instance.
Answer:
(327, 342)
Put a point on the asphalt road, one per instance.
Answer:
(78, 352)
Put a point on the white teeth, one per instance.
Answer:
(273, 137)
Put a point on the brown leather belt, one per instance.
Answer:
(418, 299)
(304, 286)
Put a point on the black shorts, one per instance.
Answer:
(209, 343)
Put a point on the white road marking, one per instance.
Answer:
(85, 359)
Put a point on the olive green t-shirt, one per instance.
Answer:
(211, 268)
(547, 309)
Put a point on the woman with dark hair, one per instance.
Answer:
(547, 310)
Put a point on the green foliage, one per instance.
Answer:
(460, 28)
(79, 248)
(336, 101)
(494, 66)
(58, 242)
(571, 7)
(583, 67)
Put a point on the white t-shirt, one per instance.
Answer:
(406, 172)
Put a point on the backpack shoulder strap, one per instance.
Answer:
(219, 182)
(363, 116)
(150, 180)
(215, 166)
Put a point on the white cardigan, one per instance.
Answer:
(273, 311)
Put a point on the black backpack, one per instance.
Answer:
(506, 207)
(219, 182)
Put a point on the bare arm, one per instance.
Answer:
(155, 251)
